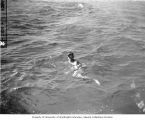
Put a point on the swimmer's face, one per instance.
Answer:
(71, 56)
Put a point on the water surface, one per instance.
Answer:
(107, 36)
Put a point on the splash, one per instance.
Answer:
(97, 82)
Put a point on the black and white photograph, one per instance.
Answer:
(72, 57)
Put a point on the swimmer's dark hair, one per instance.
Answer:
(71, 56)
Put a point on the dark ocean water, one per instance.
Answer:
(108, 37)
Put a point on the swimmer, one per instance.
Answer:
(77, 68)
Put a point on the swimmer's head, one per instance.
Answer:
(71, 56)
